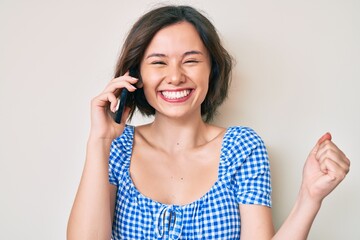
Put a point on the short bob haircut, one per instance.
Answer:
(140, 37)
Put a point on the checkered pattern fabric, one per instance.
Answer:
(243, 178)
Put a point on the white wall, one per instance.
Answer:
(297, 76)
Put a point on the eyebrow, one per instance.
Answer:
(192, 52)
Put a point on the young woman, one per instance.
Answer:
(180, 177)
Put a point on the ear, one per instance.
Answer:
(139, 84)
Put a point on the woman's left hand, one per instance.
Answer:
(325, 167)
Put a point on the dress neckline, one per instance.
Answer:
(195, 202)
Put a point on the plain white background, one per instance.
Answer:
(297, 76)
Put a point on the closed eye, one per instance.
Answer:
(158, 63)
(192, 61)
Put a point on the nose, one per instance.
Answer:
(175, 75)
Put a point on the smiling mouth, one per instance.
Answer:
(173, 95)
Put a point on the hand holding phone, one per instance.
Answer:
(122, 100)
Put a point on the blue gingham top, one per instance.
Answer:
(243, 178)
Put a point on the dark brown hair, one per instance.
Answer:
(140, 37)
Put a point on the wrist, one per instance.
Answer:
(98, 149)
(305, 198)
(99, 141)
(297, 225)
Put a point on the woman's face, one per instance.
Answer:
(175, 71)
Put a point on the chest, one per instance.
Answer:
(179, 178)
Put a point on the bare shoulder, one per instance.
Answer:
(142, 128)
(215, 132)
(141, 134)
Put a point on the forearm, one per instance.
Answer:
(298, 223)
(91, 216)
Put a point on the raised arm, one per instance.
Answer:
(325, 167)
(92, 212)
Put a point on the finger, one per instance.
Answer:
(336, 157)
(104, 99)
(333, 170)
(122, 78)
(326, 136)
(329, 147)
(326, 184)
(117, 84)
(113, 102)
(125, 77)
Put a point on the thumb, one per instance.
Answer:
(326, 136)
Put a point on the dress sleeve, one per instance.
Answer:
(120, 153)
(252, 182)
(114, 160)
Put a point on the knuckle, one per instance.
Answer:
(94, 99)
(347, 170)
(342, 175)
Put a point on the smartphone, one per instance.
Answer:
(122, 101)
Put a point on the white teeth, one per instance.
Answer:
(175, 94)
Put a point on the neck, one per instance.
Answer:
(178, 134)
